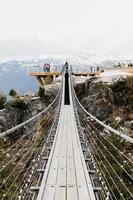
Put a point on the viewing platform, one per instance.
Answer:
(44, 74)
(45, 78)
(87, 73)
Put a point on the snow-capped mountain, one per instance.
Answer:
(13, 73)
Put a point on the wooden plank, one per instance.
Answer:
(86, 73)
(72, 192)
(39, 80)
(60, 193)
(44, 73)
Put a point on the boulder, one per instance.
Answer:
(128, 124)
(102, 113)
(2, 121)
(94, 88)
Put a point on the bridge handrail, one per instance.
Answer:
(5, 133)
(122, 135)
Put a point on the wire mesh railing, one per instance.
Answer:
(108, 155)
(24, 155)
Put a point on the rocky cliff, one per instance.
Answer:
(18, 110)
(112, 103)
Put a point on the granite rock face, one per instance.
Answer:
(14, 115)
(105, 103)
(97, 107)
(96, 98)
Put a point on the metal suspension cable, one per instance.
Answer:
(92, 132)
(18, 142)
(87, 118)
(101, 171)
(94, 180)
(118, 151)
(23, 147)
(11, 147)
(112, 154)
(15, 168)
(46, 124)
(124, 136)
(17, 177)
(107, 182)
(5, 133)
(94, 150)
(23, 168)
(46, 130)
(22, 180)
(109, 164)
(26, 194)
(20, 149)
(113, 157)
(28, 174)
(101, 161)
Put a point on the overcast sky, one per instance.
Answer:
(36, 27)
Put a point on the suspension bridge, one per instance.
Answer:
(68, 155)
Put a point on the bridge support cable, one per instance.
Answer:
(40, 167)
(36, 159)
(32, 119)
(108, 150)
(19, 163)
(100, 191)
(47, 146)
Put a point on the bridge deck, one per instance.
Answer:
(44, 73)
(66, 176)
(41, 74)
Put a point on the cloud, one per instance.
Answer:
(31, 47)
(32, 28)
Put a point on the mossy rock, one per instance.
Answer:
(3, 99)
(18, 103)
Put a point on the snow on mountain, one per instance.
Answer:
(77, 59)
(111, 76)
(13, 73)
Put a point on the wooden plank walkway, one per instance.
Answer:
(44, 74)
(66, 176)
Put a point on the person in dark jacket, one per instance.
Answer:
(66, 67)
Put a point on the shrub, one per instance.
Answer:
(12, 93)
(3, 99)
(49, 80)
(129, 92)
(41, 92)
(129, 82)
(18, 103)
(119, 86)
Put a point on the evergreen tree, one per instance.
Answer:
(12, 93)
(41, 92)
(3, 99)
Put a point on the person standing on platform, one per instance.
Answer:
(46, 67)
(66, 67)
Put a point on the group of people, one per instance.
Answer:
(119, 65)
(46, 67)
(95, 68)
(123, 65)
(130, 65)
